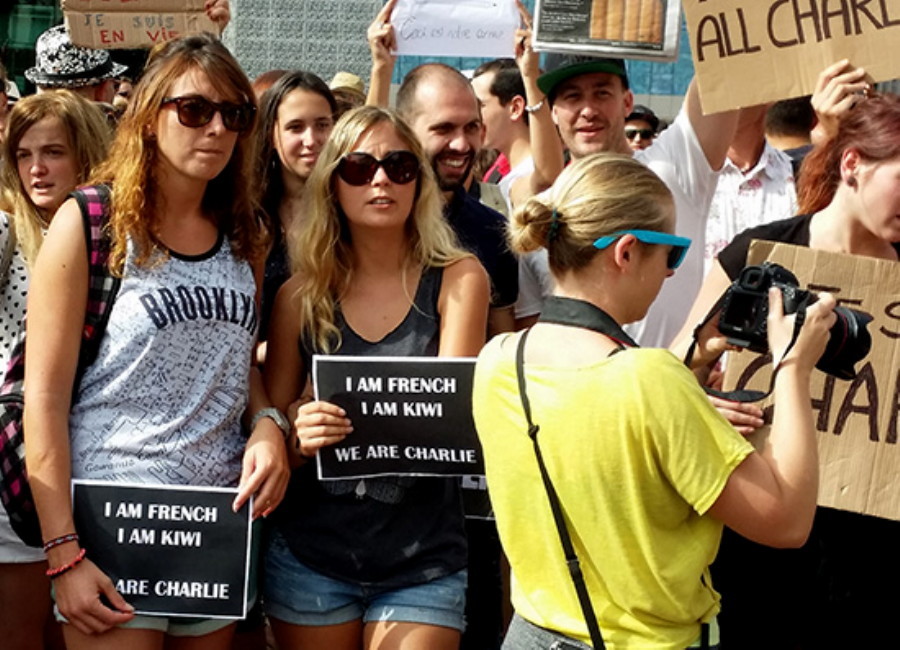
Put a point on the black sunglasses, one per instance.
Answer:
(358, 168)
(195, 111)
(646, 134)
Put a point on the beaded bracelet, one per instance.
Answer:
(58, 541)
(58, 571)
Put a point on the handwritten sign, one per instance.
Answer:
(110, 24)
(783, 45)
(481, 28)
(170, 551)
(858, 421)
(638, 29)
(149, 6)
(411, 416)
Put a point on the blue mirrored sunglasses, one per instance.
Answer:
(679, 245)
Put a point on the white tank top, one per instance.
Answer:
(162, 403)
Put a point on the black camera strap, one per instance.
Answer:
(743, 396)
(584, 598)
(580, 313)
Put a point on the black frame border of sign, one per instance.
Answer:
(457, 461)
(101, 535)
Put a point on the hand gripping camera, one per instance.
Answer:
(745, 306)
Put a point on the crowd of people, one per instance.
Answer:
(341, 221)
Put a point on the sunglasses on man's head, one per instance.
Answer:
(195, 111)
(646, 134)
(679, 245)
(358, 168)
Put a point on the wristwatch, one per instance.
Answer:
(276, 416)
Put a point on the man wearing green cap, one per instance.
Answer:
(590, 99)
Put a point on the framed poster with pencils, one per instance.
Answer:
(635, 29)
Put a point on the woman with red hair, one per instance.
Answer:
(827, 594)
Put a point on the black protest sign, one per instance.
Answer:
(411, 416)
(170, 551)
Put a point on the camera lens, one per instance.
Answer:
(848, 343)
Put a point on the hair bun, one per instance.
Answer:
(531, 225)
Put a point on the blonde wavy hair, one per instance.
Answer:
(132, 166)
(88, 133)
(598, 195)
(320, 243)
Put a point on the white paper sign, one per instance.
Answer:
(476, 28)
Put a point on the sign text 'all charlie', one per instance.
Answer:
(781, 46)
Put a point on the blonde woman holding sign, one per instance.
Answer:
(376, 563)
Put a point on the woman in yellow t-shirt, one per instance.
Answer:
(646, 470)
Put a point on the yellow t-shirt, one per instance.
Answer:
(637, 455)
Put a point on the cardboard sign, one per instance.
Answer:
(484, 28)
(412, 416)
(637, 29)
(169, 550)
(857, 421)
(748, 52)
(130, 6)
(110, 24)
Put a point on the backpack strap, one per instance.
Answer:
(9, 247)
(102, 284)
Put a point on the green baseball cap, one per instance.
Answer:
(561, 66)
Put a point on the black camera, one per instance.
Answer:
(745, 306)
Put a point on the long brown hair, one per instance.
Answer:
(131, 166)
(88, 133)
(870, 128)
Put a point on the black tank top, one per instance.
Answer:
(363, 530)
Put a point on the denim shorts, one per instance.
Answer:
(296, 594)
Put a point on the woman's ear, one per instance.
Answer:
(624, 251)
(850, 163)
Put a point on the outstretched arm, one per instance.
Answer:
(382, 44)
(219, 11)
(714, 131)
(546, 147)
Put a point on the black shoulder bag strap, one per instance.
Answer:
(584, 598)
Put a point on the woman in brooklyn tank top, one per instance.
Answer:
(163, 402)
